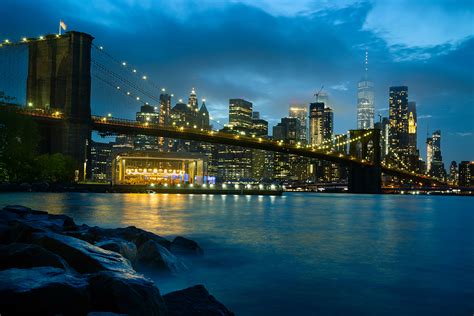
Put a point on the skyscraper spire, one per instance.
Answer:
(366, 63)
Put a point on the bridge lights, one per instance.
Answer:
(30, 104)
(273, 187)
(134, 70)
(124, 64)
(144, 77)
(109, 114)
(24, 39)
(41, 37)
(7, 41)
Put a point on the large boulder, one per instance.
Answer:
(82, 256)
(195, 301)
(155, 256)
(42, 291)
(184, 246)
(129, 294)
(123, 247)
(19, 255)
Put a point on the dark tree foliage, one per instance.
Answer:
(19, 158)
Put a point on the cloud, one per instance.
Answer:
(413, 28)
(421, 117)
(464, 134)
(340, 87)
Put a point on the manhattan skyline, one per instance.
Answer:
(277, 54)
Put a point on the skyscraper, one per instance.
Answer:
(365, 99)
(466, 173)
(398, 113)
(328, 124)
(300, 111)
(288, 166)
(165, 109)
(147, 115)
(203, 117)
(240, 114)
(434, 159)
(412, 126)
(316, 119)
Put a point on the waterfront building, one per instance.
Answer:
(101, 161)
(240, 114)
(145, 168)
(300, 111)
(365, 99)
(466, 174)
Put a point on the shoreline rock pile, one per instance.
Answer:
(50, 265)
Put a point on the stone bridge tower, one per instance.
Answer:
(59, 79)
(365, 179)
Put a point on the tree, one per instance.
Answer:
(56, 168)
(19, 140)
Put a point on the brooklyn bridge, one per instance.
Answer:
(58, 98)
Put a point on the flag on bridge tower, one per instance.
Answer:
(62, 26)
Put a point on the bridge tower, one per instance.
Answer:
(365, 178)
(59, 79)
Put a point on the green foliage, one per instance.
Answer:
(19, 159)
(19, 140)
(56, 168)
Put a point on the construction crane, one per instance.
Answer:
(317, 94)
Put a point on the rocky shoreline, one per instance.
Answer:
(50, 265)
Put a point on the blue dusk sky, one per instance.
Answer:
(275, 53)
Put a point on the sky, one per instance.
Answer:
(275, 53)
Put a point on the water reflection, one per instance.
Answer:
(337, 254)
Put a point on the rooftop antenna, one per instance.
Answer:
(319, 92)
(366, 64)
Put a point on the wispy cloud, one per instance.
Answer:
(340, 86)
(420, 117)
(464, 134)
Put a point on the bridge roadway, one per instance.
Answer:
(122, 126)
(104, 124)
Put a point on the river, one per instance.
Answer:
(304, 254)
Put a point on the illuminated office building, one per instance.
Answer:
(147, 115)
(240, 114)
(300, 111)
(466, 174)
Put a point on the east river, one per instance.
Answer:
(304, 254)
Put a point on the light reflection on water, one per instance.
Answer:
(304, 253)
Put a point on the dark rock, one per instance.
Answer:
(21, 231)
(19, 255)
(42, 291)
(181, 245)
(125, 293)
(22, 210)
(138, 236)
(195, 301)
(82, 256)
(125, 248)
(153, 255)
